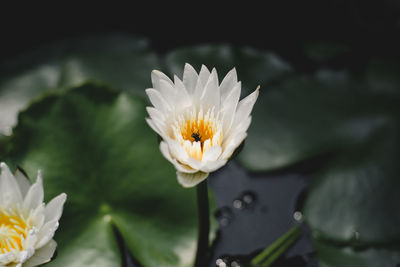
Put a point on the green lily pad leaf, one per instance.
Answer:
(334, 256)
(303, 117)
(354, 201)
(122, 61)
(254, 67)
(93, 143)
(17, 91)
(95, 245)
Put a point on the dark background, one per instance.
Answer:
(369, 28)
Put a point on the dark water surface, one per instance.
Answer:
(253, 210)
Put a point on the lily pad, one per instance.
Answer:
(17, 91)
(119, 60)
(254, 67)
(304, 117)
(354, 201)
(334, 256)
(92, 142)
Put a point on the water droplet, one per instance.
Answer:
(245, 200)
(249, 197)
(224, 216)
(220, 263)
(298, 216)
(238, 204)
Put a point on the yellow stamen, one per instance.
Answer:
(13, 229)
(197, 132)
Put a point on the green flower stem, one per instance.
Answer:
(274, 251)
(204, 225)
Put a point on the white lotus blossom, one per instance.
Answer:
(27, 225)
(200, 121)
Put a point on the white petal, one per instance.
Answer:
(245, 106)
(184, 168)
(212, 154)
(46, 233)
(201, 82)
(193, 149)
(204, 75)
(157, 100)
(154, 127)
(232, 96)
(155, 114)
(168, 92)
(34, 196)
(193, 163)
(165, 151)
(214, 165)
(37, 216)
(229, 107)
(23, 256)
(217, 138)
(31, 238)
(177, 151)
(157, 118)
(180, 167)
(211, 95)
(236, 129)
(54, 208)
(232, 144)
(22, 181)
(206, 145)
(196, 150)
(228, 83)
(157, 76)
(242, 126)
(42, 255)
(6, 258)
(190, 77)
(191, 179)
(183, 98)
(9, 189)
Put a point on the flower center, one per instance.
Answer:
(197, 132)
(13, 230)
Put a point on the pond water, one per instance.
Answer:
(253, 210)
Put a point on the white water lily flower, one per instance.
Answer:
(27, 225)
(200, 121)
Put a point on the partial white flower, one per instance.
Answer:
(27, 225)
(201, 122)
